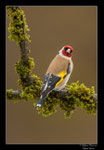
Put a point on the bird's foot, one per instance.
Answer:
(63, 91)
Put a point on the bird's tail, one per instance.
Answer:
(42, 97)
(41, 101)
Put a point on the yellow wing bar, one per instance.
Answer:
(61, 74)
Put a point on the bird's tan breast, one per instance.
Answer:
(58, 65)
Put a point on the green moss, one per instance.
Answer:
(67, 115)
(24, 69)
(82, 96)
(28, 96)
(21, 69)
(9, 93)
(32, 91)
(49, 107)
(31, 64)
(17, 24)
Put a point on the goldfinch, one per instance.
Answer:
(57, 74)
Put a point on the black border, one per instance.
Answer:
(100, 75)
(100, 5)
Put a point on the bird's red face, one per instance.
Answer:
(67, 51)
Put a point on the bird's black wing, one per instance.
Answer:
(49, 83)
(68, 70)
(44, 82)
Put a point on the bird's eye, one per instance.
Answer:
(65, 48)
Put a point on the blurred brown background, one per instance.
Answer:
(50, 29)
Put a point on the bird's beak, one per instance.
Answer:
(68, 51)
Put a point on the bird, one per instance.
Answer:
(57, 74)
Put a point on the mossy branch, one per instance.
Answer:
(73, 96)
(18, 32)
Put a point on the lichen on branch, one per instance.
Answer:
(75, 94)
(18, 25)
